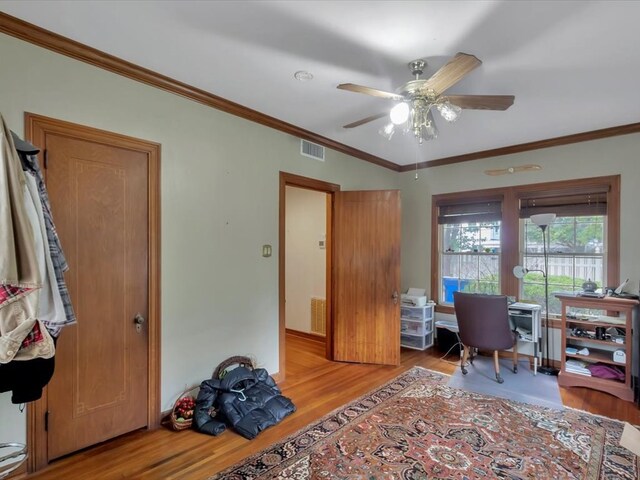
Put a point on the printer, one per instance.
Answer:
(415, 297)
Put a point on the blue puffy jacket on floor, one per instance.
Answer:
(247, 400)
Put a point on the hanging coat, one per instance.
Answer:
(26, 348)
(19, 271)
(54, 323)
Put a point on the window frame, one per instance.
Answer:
(510, 241)
(478, 254)
(574, 255)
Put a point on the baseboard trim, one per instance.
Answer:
(309, 336)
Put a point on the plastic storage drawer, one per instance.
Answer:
(417, 313)
(415, 327)
(415, 342)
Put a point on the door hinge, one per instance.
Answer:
(46, 159)
(46, 421)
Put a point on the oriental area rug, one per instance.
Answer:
(416, 427)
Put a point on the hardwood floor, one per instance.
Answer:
(315, 385)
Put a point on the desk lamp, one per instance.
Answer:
(542, 220)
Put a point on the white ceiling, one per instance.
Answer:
(573, 66)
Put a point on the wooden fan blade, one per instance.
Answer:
(451, 73)
(482, 102)
(366, 120)
(374, 92)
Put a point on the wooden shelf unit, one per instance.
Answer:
(610, 306)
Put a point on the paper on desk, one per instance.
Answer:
(416, 292)
(630, 439)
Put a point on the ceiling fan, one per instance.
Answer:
(416, 99)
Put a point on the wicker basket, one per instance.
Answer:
(238, 360)
(172, 421)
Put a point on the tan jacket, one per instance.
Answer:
(18, 266)
(18, 258)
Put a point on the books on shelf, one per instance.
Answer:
(590, 294)
(578, 367)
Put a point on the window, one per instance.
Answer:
(478, 237)
(576, 245)
(469, 249)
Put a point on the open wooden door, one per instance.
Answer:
(366, 277)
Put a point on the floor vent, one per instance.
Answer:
(312, 150)
(318, 315)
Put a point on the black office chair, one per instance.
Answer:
(483, 322)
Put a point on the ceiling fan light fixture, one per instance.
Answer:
(399, 114)
(430, 131)
(387, 131)
(449, 111)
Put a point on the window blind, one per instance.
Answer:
(576, 205)
(469, 213)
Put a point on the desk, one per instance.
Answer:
(524, 318)
(450, 325)
(447, 342)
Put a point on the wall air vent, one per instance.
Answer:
(318, 316)
(312, 150)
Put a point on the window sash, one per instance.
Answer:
(481, 212)
(583, 204)
(468, 268)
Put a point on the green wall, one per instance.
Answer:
(220, 183)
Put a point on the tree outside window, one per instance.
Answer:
(576, 254)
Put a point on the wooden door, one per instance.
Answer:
(366, 276)
(99, 199)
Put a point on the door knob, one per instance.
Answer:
(138, 320)
(395, 297)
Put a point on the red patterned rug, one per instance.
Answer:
(415, 427)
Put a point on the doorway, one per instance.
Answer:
(306, 264)
(363, 273)
(320, 189)
(104, 194)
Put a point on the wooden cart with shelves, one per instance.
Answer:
(616, 312)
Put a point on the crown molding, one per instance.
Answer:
(525, 147)
(41, 37)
